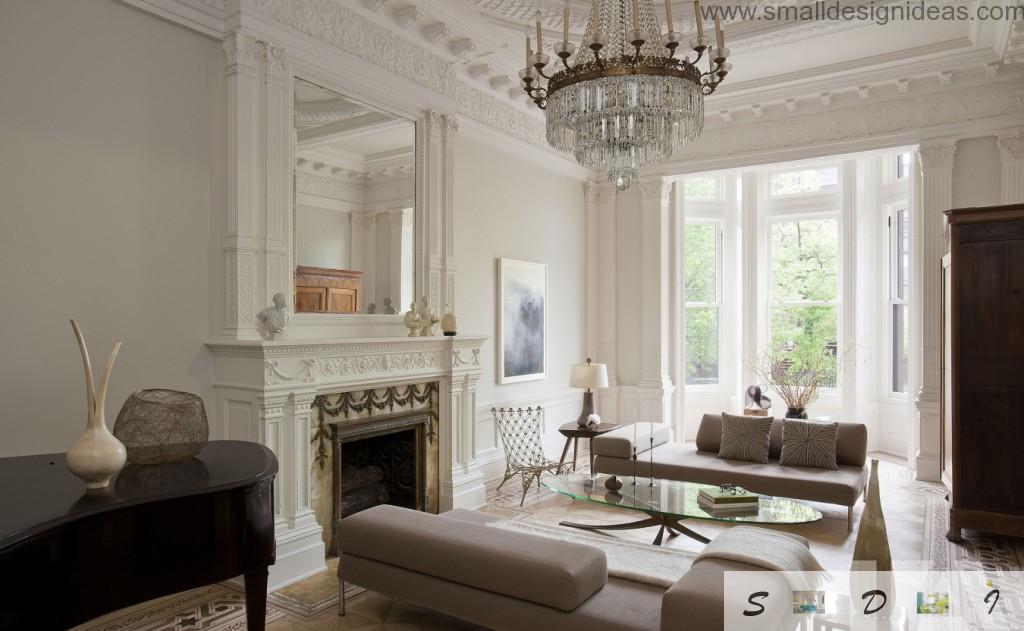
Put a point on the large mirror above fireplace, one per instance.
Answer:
(355, 205)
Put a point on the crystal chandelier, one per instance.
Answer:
(623, 100)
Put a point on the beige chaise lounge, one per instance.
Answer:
(509, 581)
(700, 462)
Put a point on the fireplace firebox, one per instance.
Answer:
(380, 460)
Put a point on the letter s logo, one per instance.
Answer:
(760, 607)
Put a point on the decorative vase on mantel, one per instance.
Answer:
(796, 413)
(97, 456)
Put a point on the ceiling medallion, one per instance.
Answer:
(623, 100)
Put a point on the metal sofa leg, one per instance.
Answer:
(849, 519)
(341, 598)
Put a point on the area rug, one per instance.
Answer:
(638, 562)
(211, 608)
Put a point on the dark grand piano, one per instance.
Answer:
(68, 556)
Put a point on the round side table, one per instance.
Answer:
(573, 433)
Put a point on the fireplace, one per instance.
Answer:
(382, 460)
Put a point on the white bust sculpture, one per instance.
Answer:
(273, 319)
(427, 318)
(412, 320)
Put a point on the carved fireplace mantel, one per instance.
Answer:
(264, 390)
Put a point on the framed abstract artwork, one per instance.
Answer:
(522, 320)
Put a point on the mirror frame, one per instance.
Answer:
(419, 119)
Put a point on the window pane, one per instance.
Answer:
(903, 165)
(701, 345)
(900, 347)
(701, 248)
(807, 338)
(805, 260)
(700, 187)
(902, 254)
(805, 181)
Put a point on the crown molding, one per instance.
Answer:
(202, 16)
(951, 113)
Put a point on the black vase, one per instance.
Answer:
(796, 412)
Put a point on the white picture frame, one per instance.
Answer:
(522, 331)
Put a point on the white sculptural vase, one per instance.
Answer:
(97, 456)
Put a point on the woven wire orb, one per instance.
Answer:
(161, 426)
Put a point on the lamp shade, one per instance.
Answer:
(589, 375)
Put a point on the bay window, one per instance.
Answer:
(804, 291)
(702, 248)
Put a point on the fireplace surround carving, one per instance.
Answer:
(264, 391)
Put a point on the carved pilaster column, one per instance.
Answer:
(461, 477)
(654, 226)
(936, 160)
(1011, 157)
(279, 170)
(599, 200)
(402, 293)
(270, 410)
(451, 128)
(244, 59)
(364, 255)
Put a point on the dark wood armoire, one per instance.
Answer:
(983, 391)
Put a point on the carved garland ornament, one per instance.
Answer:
(379, 399)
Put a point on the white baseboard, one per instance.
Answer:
(300, 554)
(927, 468)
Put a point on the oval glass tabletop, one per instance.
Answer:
(668, 502)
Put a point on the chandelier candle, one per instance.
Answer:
(540, 42)
(668, 15)
(700, 21)
(623, 100)
(565, 22)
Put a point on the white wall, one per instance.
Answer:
(508, 207)
(976, 173)
(323, 237)
(110, 170)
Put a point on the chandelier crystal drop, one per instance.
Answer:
(623, 100)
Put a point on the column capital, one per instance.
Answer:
(277, 64)
(451, 128)
(654, 188)
(936, 155)
(1011, 145)
(241, 53)
(598, 194)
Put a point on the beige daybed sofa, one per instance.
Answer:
(456, 564)
(700, 463)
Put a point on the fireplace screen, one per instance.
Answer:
(379, 460)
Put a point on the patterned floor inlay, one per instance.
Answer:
(916, 517)
(212, 608)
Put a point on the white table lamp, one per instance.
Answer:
(590, 376)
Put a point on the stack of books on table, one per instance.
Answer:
(727, 502)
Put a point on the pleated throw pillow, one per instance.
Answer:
(809, 444)
(745, 438)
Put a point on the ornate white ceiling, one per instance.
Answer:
(779, 66)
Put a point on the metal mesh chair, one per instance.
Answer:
(520, 430)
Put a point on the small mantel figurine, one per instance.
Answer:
(389, 308)
(273, 319)
(412, 320)
(427, 318)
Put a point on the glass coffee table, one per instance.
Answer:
(668, 503)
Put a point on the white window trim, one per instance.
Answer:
(889, 211)
(719, 268)
(810, 195)
(770, 303)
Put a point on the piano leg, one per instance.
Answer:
(256, 600)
